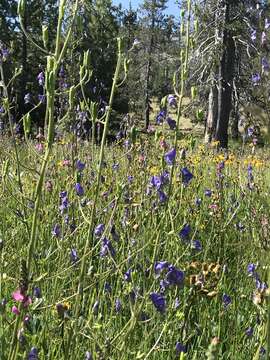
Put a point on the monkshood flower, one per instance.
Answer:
(56, 231)
(41, 78)
(37, 292)
(253, 35)
(127, 275)
(170, 156)
(80, 165)
(27, 98)
(208, 192)
(160, 117)
(160, 266)
(251, 269)
(171, 123)
(180, 348)
(172, 100)
(118, 305)
(158, 301)
(175, 276)
(79, 189)
(196, 245)
(266, 24)
(73, 256)
(186, 176)
(249, 332)
(42, 98)
(99, 229)
(33, 354)
(250, 131)
(184, 232)
(263, 38)
(265, 64)
(162, 196)
(88, 356)
(256, 78)
(107, 248)
(226, 299)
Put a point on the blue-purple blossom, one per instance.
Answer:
(41, 78)
(256, 78)
(33, 354)
(208, 192)
(37, 292)
(180, 348)
(170, 156)
(74, 256)
(251, 269)
(196, 245)
(186, 176)
(160, 266)
(263, 38)
(172, 100)
(99, 229)
(171, 123)
(162, 196)
(79, 189)
(56, 231)
(249, 332)
(107, 248)
(184, 232)
(265, 64)
(158, 301)
(80, 165)
(118, 305)
(253, 35)
(266, 24)
(175, 276)
(226, 299)
(127, 275)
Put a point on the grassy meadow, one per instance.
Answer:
(176, 268)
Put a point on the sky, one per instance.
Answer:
(172, 8)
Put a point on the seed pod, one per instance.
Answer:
(71, 96)
(45, 36)
(27, 124)
(21, 8)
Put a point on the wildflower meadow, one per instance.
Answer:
(135, 239)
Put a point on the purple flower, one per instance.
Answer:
(37, 292)
(256, 78)
(172, 100)
(73, 256)
(196, 245)
(180, 348)
(40, 78)
(253, 35)
(184, 232)
(99, 229)
(41, 98)
(176, 303)
(175, 276)
(27, 98)
(107, 248)
(265, 64)
(88, 356)
(118, 305)
(263, 38)
(33, 354)
(226, 299)
(208, 192)
(80, 165)
(162, 196)
(171, 123)
(266, 24)
(198, 201)
(156, 182)
(170, 156)
(186, 176)
(56, 231)
(79, 189)
(160, 266)
(250, 131)
(127, 275)
(249, 332)
(251, 269)
(158, 301)
(160, 117)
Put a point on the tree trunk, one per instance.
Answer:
(226, 71)
(147, 77)
(211, 121)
